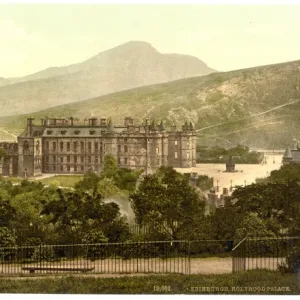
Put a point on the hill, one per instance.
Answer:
(124, 67)
(258, 107)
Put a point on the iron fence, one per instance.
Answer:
(263, 253)
(138, 257)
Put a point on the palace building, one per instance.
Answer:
(66, 146)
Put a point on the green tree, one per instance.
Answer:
(89, 182)
(252, 226)
(167, 201)
(110, 167)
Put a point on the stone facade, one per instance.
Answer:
(9, 162)
(68, 146)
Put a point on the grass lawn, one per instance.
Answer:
(261, 282)
(62, 180)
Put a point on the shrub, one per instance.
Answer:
(292, 261)
(43, 253)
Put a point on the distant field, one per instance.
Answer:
(62, 180)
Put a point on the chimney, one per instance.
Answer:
(92, 121)
(29, 125)
(128, 121)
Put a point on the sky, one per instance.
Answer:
(226, 37)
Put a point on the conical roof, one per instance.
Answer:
(110, 126)
(161, 126)
(153, 126)
(288, 153)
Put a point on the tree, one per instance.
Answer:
(89, 181)
(110, 167)
(77, 216)
(165, 200)
(252, 226)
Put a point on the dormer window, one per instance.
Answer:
(63, 132)
(49, 132)
(92, 131)
(77, 132)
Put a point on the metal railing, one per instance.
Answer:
(181, 257)
(137, 257)
(262, 253)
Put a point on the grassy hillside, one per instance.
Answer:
(258, 107)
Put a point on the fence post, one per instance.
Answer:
(238, 253)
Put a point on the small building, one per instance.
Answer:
(292, 155)
(230, 165)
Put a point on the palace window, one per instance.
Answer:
(77, 132)
(82, 158)
(47, 145)
(82, 145)
(125, 149)
(68, 146)
(119, 148)
(54, 146)
(75, 168)
(96, 159)
(47, 158)
(49, 132)
(54, 158)
(61, 146)
(92, 131)
(25, 146)
(126, 160)
(175, 154)
(157, 150)
(63, 132)
(188, 155)
(119, 160)
(61, 159)
(68, 158)
(82, 168)
(68, 168)
(89, 159)
(75, 146)
(96, 146)
(176, 143)
(61, 168)
(75, 159)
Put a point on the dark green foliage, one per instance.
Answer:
(166, 198)
(204, 182)
(7, 237)
(292, 263)
(217, 154)
(286, 173)
(43, 253)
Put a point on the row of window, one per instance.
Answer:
(187, 155)
(76, 145)
(187, 143)
(76, 159)
(80, 158)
